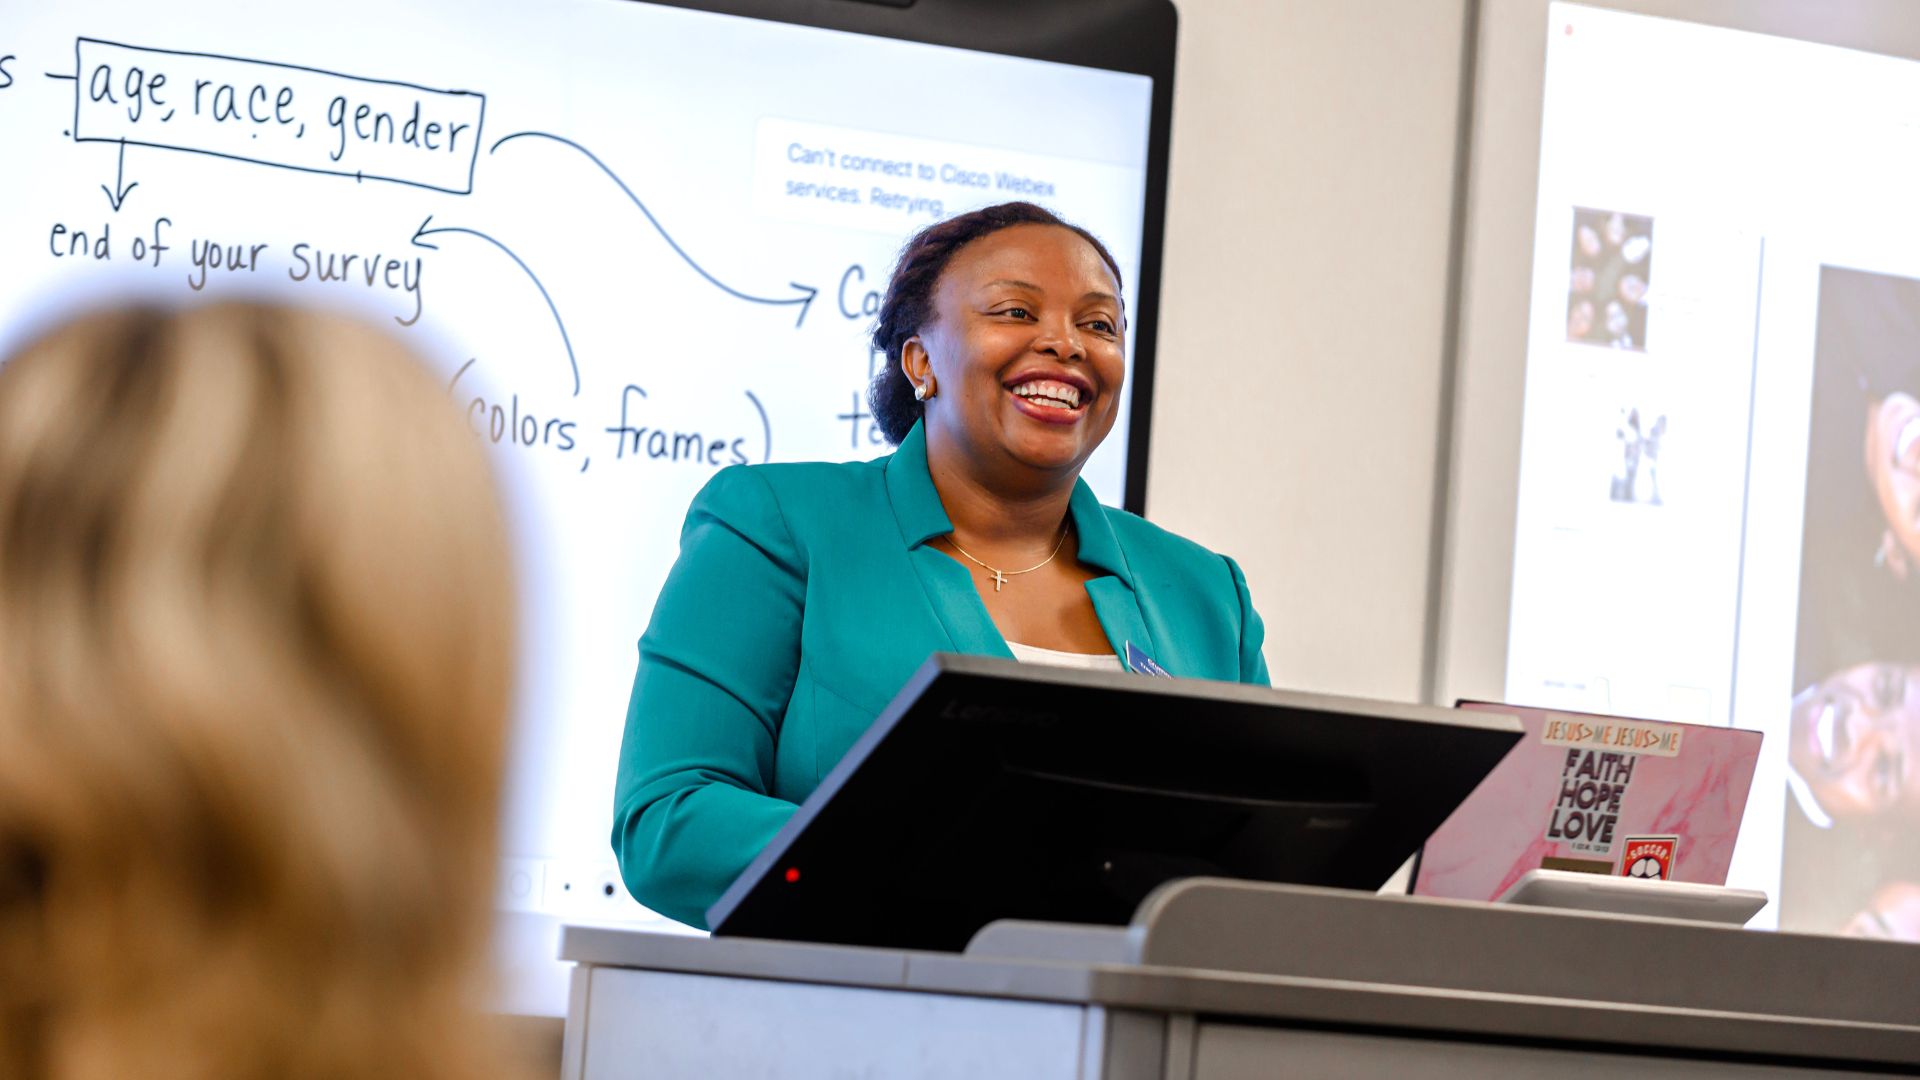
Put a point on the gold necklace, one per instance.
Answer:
(1000, 576)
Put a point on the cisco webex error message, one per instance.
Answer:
(277, 114)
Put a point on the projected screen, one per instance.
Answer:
(645, 242)
(1719, 494)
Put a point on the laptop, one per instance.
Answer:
(1599, 795)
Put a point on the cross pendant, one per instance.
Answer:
(999, 579)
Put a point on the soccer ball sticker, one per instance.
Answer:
(1649, 858)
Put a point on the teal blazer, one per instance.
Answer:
(804, 596)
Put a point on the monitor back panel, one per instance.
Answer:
(992, 789)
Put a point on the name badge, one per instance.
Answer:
(1141, 664)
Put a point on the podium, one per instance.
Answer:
(1217, 979)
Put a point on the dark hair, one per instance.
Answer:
(909, 301)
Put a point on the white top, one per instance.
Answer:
(1031, 654)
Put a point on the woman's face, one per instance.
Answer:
(1580, 319)
(1025, 348)
(1893, 466)
(1855, 738)
(1616, 230)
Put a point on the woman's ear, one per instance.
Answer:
(918, 367)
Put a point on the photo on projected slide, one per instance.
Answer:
(1851, 856)
(1636, 473)
(1607, 281)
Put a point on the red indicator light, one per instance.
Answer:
(793, 874)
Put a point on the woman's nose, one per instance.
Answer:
(1060, 339)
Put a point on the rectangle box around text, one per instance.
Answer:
(277, 114)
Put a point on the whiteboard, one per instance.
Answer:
(640, 242)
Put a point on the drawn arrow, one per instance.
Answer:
(521, 263)
(117, 195)
(806, 293)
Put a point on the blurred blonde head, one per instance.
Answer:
(255, 639)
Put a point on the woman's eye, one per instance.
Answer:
(1886, 777)
(1017, 313)
(1832, 733)
(1890, 687)
(1100, 326)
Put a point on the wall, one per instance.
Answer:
(1302, 353)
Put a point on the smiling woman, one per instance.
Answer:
(806, 594)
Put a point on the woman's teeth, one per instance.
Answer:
(1055, 395)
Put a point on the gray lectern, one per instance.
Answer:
(1219, 979)
(1044, 771)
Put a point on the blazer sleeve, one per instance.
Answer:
(692, 802)
(1253, 632)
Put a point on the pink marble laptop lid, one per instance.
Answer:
(1603, 794)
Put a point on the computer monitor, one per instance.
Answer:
(990, 789)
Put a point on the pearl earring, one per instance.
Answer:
(921, 393)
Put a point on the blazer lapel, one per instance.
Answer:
(1115, 600)
(948, 585)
